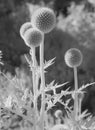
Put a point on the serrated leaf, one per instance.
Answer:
(84, 114)
(85, 86)
(49, 63)
(53, 86)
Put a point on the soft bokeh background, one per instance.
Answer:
(75, 28)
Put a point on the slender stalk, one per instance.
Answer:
(42, 84)
(76, 95)
(80, 103)
(34, 85)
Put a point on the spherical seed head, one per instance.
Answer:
(24, 28)
(73, 57)
(44, 19)
(33, 37)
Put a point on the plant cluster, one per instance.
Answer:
(23, 101)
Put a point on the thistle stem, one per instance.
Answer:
(34, 85)
(42, 84)
(80, 104)
(76, 95)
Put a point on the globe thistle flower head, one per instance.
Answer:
(24, 28)
(58, 113)
(73, 57)
(44, 19)
(33, 37)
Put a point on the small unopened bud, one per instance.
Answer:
(58, 113)
(33, 37)
(24, 28)
(44, 19)
(73, 57)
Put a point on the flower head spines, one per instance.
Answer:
(33, 37)
(44, 19)
(24, 28)
(73, 57)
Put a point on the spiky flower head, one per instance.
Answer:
(24, 28)
(44, 19)
(33, 37)
(73, 57)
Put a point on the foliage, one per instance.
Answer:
(80, 24)
(16, 98)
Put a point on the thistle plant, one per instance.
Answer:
(33, 38)
(59, 116)
(44, 19)
(23, 101)
(73, 59)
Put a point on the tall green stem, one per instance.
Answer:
(42, 83)
(76, 95)
(34, 84)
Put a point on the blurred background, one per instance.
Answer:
(75, 28)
